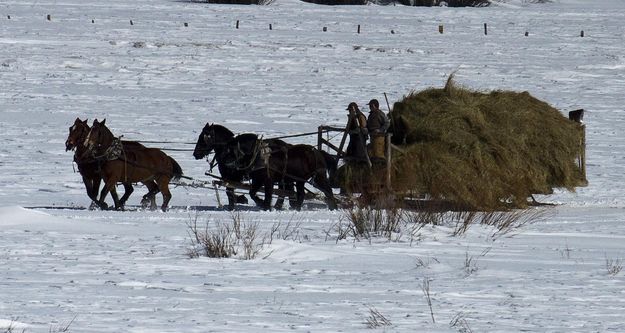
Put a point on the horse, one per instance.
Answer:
(228, 149)
(90, 168)
(246, 156)
(297, 164)
(139, 165)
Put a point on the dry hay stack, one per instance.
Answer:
(481, 150)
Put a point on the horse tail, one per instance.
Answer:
(331, 161)
(176, 169)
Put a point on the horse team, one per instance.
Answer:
(100, 156)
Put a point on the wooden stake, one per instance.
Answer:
(237, 24)
(270, 27)
(440, 28)
(485, 29)
(359, 28)
(582, 34)
(131, 23)
(49, 17)
(387, 143)
(325, 29)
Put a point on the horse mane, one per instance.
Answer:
(220, 128)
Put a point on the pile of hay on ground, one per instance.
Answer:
(483, 150)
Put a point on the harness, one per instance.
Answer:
(113, 152)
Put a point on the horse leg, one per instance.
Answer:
(321, 182)
(255, 186)
(92, 185)
(300, 195)
(231, 198)
(150, 197)
(109, 186)
(163, 185)
(128, 189)
(290, 188)
(268, 193)
(105, 190)
(280, 201)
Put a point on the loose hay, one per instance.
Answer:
(483, 150)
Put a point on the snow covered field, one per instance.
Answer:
(158, 80)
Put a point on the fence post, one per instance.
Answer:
(270, 26)
(485, 29)
(440, 28)
(325, 29)
(388, 161)
(319, 137)
(582, 34)
(48, 17)
(132, 23)
(359, 28)
(237, 24)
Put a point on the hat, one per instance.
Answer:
(352, 105)
(374, 102)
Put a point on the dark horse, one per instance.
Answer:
(90, 168)
(140, 165)
(264, 162)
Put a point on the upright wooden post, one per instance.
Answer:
(270, 26)
(324, 29)
(485, 29)
(319, 137)
(237, 24)
(344, 138)
(389, 163)
(582, 154)
(440, 28)
(132, 23)
(48, 17)
(359, 28)
(581, 33)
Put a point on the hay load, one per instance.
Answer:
(483, 150)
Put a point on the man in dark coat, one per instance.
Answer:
(377, 125)
(357, 130)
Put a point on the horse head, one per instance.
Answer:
(99, 136)
(77, 134)
(212, 137)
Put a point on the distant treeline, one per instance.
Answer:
(422, 3)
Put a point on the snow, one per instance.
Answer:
(105, 271)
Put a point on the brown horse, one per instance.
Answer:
(140, 165)
(90, 168)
